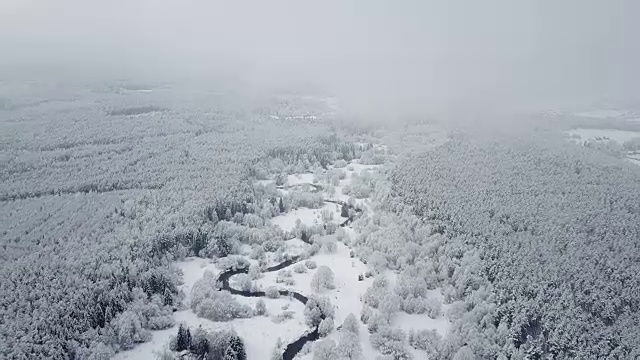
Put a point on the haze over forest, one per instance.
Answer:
(417, 54)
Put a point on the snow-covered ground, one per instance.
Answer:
(347, 292)
(619, 136)
(604, 113)
(580, 135)
(307, 216)
(259, 333)
(298, 179)
(346, 297)
(192, 270)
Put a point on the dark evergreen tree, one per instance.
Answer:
(223, 248)
(168, 297)
(281, 206)
(183, 341)
(230, 354)
(199, 242)
(344, 212)
(200, 345)
(237, 345)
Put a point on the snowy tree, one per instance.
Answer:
(322, 279)
(276, 354)
(272, 292)
(261, 307)
(351, 324)
(464, 353)
(244, 282)
(325, 350)
(237, 345)
(428, 341)
(325, 327)
(316, 309)
(349, 345)
(389, 305)
(230, 354)
(129, 330)
(300, 268)
(327, 215)
(200, 343)
(377, 262)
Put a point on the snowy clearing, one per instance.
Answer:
(307, 216)
(619, 136)
(603, 113)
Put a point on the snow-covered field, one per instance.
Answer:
(604, 113)
(307, 216)
(619, 136)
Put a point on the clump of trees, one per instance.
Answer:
(205, 344)
(209, 302)
(317, 309)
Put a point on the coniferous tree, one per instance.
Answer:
(237, 345)
(344, 212)
(183, 341)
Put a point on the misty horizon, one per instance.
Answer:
(523, 56)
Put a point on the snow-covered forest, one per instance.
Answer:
(152, 221)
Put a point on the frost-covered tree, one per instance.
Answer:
(261, 307)
(129, 330)
(272, 292)
(237, 346)
(389, 305)
(327, 215)
(350, 324)
(326, 326)
(322, 279)
(325, 350)
(316, 309)
(276, 354)
(464, 353)
(428, 341)
(300, 268)
(244, 282)
(349, 345)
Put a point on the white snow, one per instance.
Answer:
(603, 113)
(346, 295)
(409, 322)
(296, 246)
(265, 182)
(192, 269)
(299, 179)
(619, 136)
(308, 216)
(348, 290)
(259, 333)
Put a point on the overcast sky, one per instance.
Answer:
(524, 52)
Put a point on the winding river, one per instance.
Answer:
(293, 348)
